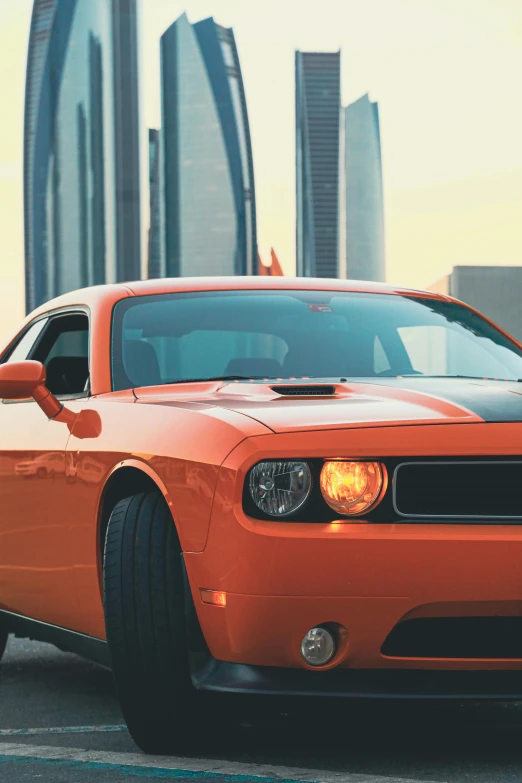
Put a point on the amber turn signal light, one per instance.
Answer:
(352, 488)
(214, 597)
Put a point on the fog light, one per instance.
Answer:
(318, 647)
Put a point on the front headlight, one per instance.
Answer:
(280, 488)
(352, 488)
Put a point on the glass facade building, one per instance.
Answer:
(40, 36)
(209, 191)
(70, 147)
(318, 107)
(363, 209)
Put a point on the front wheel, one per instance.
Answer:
(145, 621)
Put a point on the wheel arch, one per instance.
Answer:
(128, 478)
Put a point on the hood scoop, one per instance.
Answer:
(304, 390)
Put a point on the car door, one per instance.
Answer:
(36, 565)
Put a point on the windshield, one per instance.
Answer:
(302, 334)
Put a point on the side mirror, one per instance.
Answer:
(19, 380)
(22, 380)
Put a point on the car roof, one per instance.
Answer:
(88, 296)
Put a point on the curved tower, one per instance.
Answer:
(363, 209)
(209, 191)
(72, 152)
(39, 37)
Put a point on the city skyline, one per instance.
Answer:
(453, 172)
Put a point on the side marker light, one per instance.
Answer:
(214, 597)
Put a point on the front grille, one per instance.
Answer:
(305, 391)
(453, 489)
(456, 637)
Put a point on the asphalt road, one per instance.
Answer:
(60, 721)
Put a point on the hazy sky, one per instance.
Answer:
(446, 74)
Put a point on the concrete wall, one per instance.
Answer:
(494, 290)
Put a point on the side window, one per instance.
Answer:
(24, 346)
(64, 351)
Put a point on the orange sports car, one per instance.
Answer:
(276, 486)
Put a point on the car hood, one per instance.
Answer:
(303, 405)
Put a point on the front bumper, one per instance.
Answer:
(281, 579)
(221, 677)
(366, 578)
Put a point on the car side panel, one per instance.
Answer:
(36, 570)
(146, 436)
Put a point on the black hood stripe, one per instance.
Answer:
(492, 401)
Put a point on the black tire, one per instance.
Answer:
(4, 635)
(145, 621)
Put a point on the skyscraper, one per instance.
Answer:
(155, 244)
(318, 104)
(363, 208)
(127, 132)
(71, 198)
(40, 35)
(210, 206)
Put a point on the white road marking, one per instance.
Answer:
(60, 730)
(94, 759)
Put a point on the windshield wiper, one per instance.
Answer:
(224, 378)
(470, 377)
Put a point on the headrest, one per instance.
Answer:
(141, 363)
